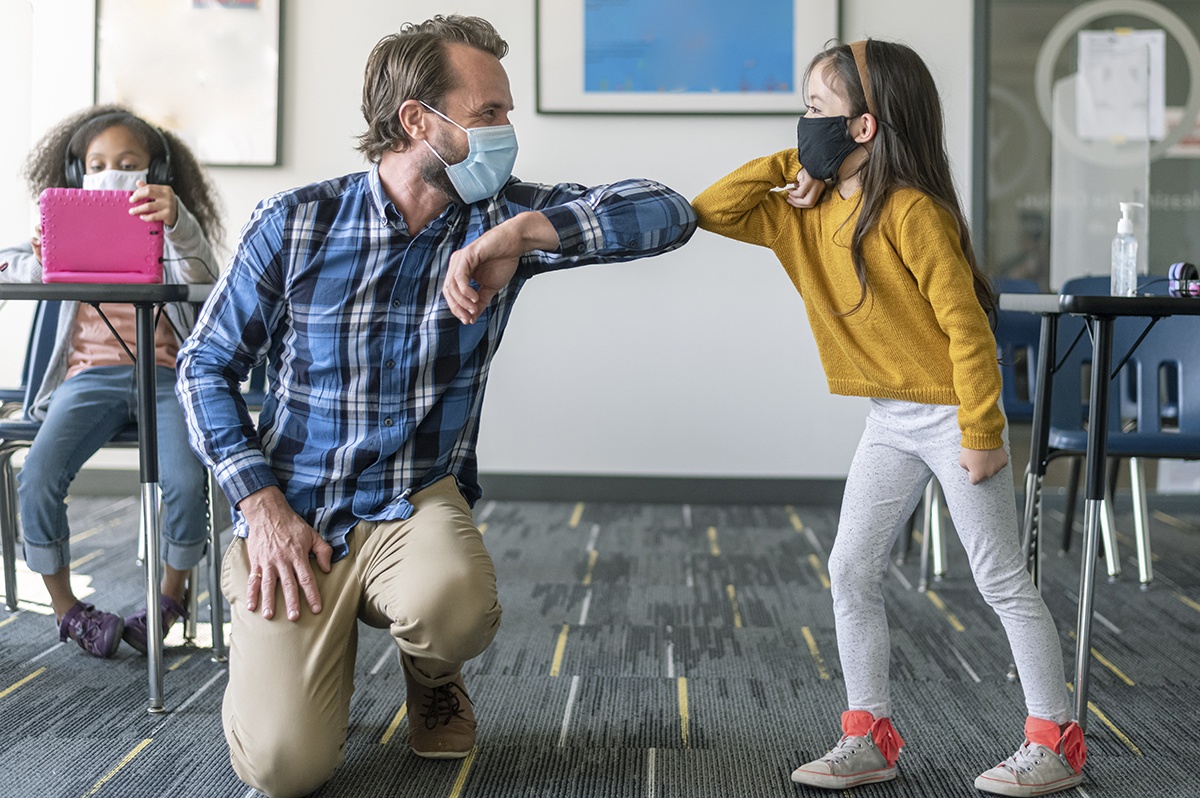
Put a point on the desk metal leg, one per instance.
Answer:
(148, 456)
(1094, 506)
(1038, 446)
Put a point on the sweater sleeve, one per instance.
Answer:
(742, 206)
(931, 250)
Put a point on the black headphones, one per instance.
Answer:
(1183, 280)
(160, 166)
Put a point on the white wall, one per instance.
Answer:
(697, 363)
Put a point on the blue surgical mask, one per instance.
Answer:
(491, 153)
(114, 180)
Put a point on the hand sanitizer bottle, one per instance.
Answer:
(1124, 255)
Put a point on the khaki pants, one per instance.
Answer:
(429, 580)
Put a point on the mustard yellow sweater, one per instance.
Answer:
(921, 336)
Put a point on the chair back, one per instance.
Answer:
(1017, 335)
(41, 347)
(1163, 376)
(1155, 407)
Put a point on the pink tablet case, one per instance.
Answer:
(90, 237)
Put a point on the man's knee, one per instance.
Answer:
(283, 760)
(461, 618)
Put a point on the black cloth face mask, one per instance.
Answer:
(822, 143)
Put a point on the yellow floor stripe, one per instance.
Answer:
(395, 724)
(1106, 663)
(202, 598)
(8, 620)
(86, 558)
(483, 528)
(737, 616)
(713, 548)
(1188, 601)
(815, 562)
(937, 602)
(575, 516)
(1103, 661)
(180, 661)
(816, 652)
(461, 781)
(593, 555)
(28, 678)
(797, 524)
(1171, 520)
(1113, 728)
(683, 710)
(559, 648)
(137, 749)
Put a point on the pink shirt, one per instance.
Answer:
(92, 343)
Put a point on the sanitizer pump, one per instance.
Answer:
(1124, 254)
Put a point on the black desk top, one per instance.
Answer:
(1102, 305)
(107, 292)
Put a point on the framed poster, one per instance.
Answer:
(206, 69)
(678, 56)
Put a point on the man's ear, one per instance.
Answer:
(413, 119)
(868, 126)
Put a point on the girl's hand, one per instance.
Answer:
(155, 203)
(982, 464)
(36, 241)
(806, 192)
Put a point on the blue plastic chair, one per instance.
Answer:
(1017, 335)
(1149, 421)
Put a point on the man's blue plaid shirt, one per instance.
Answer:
(374, 387)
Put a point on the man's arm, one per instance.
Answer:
(232, 333)
(562, 226)
(491, 260)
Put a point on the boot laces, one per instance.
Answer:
(442, 705)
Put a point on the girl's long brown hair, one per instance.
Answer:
(909, 149)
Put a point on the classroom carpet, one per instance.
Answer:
(646, 650)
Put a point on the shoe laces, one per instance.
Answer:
(85, 628)
(442, 705)
(847, 747)
(1026, 758)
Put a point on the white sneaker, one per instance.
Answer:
(853, 761)
(1033, 770)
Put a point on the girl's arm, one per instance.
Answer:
(19, 264)
(930, 248)
(743, 205)
(188, 256)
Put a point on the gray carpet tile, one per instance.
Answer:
(645, 650)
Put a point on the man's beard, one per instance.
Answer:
(433, 171)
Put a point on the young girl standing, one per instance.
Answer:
(899, 310)
(85, 397)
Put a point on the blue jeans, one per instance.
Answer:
(85, 412)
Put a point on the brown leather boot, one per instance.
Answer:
(441, 720)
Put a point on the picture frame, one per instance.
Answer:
(214, 74)
(677, 57)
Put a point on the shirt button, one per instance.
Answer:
(395, 303)
(390, 364)
(387, 422)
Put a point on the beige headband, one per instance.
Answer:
(859, 50)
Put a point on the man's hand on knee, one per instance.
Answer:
(278, 546)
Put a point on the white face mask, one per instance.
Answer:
(114, 180)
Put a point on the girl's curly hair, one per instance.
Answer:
(45, 167)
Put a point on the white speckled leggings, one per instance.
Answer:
(904, 442)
